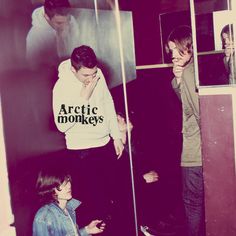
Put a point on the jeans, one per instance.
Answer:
(193, 198)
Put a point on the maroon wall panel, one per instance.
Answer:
(218, 164)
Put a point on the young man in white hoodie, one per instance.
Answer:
(53, 35)
(84, 111)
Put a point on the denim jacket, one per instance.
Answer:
(50, 220)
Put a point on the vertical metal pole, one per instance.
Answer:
(195, 56)
(118, 22)
(96, 10)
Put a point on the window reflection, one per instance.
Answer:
(215, 44)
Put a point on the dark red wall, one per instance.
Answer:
(218, 164)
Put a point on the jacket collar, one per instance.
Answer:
(71, 205)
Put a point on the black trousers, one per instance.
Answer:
(93, 176)
(101, 183)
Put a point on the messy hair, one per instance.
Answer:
(227, 29)
(83, 56)
(182, 37)
(56, 7)
(48, 181)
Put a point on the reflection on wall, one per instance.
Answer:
(102, 36)
(51, 38)
(204, 28)
(168, 22)
(216, 61)
(220, 19)
(94, 27)
(98, 29)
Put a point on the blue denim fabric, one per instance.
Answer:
(50, 220)
(193, 197)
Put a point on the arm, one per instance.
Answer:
(191, 92)
(176, 87)
(83, 232)
(92, 228)
(176, 82)
(40, 228)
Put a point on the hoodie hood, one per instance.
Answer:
(38, 19)
(65, 73)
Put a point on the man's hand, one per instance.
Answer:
(178, 71)
(119, 147)
(92, 229)
(229, 50)
(88, 89)
(151, 177)
(123, 127)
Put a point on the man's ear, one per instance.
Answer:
(54, 194)
(73, 69)
(46, 17)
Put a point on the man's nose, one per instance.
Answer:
(175, 54)
(175, 59)
(227, 42)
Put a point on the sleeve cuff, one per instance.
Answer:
(83, 232)
(174, 83)
(117, 136)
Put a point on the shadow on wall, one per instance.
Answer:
(155, 111)
(31, 137)
(27, 114)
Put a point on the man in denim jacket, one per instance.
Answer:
(57, 215)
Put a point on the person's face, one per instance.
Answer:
(227, 44)
(179, 58)
(120, 119)
(64, 192)
(85, 74)
(58, 22)
(226, 40)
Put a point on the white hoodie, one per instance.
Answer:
(86, 124)
(42, 44)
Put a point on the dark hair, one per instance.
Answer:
(83, 56)
(182, 37)
(227, 29)
(49, 180)
(56, 7)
